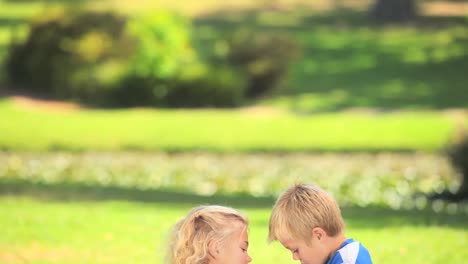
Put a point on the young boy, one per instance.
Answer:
(308, 222)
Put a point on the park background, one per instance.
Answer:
(118, 116)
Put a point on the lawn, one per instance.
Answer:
(113, 231)
(348, 61)
(108, 208)
(26, 126)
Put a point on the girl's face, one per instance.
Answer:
(234, 249)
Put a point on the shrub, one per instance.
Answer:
(105, 59)
(263, 57)
(162, 51)
(162, 45)
(166, 71)
(212, 87)
(68, 54)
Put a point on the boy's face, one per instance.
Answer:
(313, 253)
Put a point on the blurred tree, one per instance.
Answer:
(394, 10)
(458, 154)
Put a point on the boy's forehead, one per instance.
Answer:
(288, 243)
(285, 243)
(287, 235)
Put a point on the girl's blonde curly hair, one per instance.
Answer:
(204, 225)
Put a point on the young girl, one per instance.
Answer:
(210, 235)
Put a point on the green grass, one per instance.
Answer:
(348, 61)
(102, 208)
(18, 10)
(219, 130)
(57, 231)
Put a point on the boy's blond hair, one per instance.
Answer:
(302, 208)
(203, 225)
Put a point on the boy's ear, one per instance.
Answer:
(318, 233)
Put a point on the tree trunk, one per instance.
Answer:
(394, 10)
(463, 190)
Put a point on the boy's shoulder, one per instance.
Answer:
(351, 252)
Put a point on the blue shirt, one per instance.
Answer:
(351, 252)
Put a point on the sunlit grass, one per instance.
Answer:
(15, 33)
(42, 231)
(219, 130)
(20, 10)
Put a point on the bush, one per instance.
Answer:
(70, 55)
(162, 51)
(212, 87)
(209, 87)
(109, 60)
(162, 45)
(263, 57)
(166, 71)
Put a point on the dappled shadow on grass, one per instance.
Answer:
(369, 217)
(387, 85)
(374, 217)
(12, 22)
(58, 147)
(350, 61)
(299, 19)
(85, 192)
(378, 218)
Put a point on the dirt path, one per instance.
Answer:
(203, 7)
(45, 105)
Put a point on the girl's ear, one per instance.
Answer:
(213, 249)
